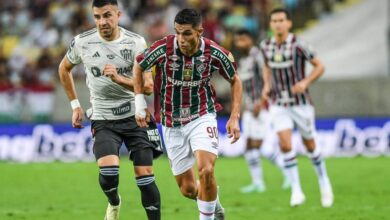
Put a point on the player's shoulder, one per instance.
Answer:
(85, 36)
(165, 41)
(267, 41)
(132, 35)
(216, 47)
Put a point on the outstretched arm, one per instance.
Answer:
(66, 79)
(232, 126)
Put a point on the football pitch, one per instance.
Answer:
(70, 191)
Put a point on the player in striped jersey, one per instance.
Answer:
(107, 53)
(186, 101)
(286, 84)
(255, 119)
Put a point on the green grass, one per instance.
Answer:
(71, 192)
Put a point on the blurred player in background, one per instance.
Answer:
(287, 85)
(255, 119)
(108, 53)
(187, 103)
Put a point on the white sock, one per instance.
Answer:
(319, 165)
(252, 158)
(291, 168)
(206, 209)
(277, 159)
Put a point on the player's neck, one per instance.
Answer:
(189, 53)
(115, 35)
(281, 38)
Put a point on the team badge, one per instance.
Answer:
(201, 67)
(126, 54)
(231, 57)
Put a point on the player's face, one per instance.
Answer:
(106, 20)
(279, 23)
(188, 36)
(243, 42)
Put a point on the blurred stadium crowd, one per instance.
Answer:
(34, 36)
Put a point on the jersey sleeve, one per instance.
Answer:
(305, 50)
(262, 52)
(225, 62)
(73, 53)
(150, 56)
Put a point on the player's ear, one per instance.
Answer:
(200, 31)
(289, 24)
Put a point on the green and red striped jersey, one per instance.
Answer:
(182, 88)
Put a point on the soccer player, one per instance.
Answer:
(286, 84)
(255, 119)
(186, 101)
(108, 53)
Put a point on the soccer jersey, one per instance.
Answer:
(250, 70)
(183, 91)
(287, 63)
(110, 101)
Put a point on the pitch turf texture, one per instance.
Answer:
(71, 192)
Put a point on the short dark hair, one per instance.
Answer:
(245, 32)
(101, 3)
(188, 16)
(280, 10)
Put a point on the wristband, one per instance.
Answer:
(140, 104)
(75, 104)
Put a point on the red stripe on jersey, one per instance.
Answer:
(168, 104)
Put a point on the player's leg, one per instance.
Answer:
(106, 150)
(306, 126)
(143, 143)
(283, 125)
(150, 195)
(203, 139)
(252, 153)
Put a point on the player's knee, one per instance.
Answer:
(285, 148)
(143, 171)
(189, 190)
(206, 174)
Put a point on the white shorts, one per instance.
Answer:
(182, 142)
(255, 127)
(301, 116)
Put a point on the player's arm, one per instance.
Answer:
(66, 79)
(318, 70)
(142, 115)
(267, 82)
(110, 71)
(232, 125)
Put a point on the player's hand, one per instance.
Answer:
(299, 87)
(142, 118)
(265, 93)
(77, 118)
(233, 129)
(110, 71)
(257, 108)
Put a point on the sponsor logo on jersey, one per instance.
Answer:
(202, 58)
(226, 61)
(110, 56)
(153, 135)
(187, 74)
(174, 66)
(174, 57)
(122, 109)
(187, 83)
(126, 54)
(96, 54)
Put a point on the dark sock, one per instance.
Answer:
(150, 196)
(109, 181)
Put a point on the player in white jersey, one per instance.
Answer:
(108, 53)
(255, 120)
(286, 82)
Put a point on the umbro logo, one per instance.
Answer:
(96, 54)
(151, 208)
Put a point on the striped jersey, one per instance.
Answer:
(110, 101)
(250, 71)
(182, 89)
(287, 64)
